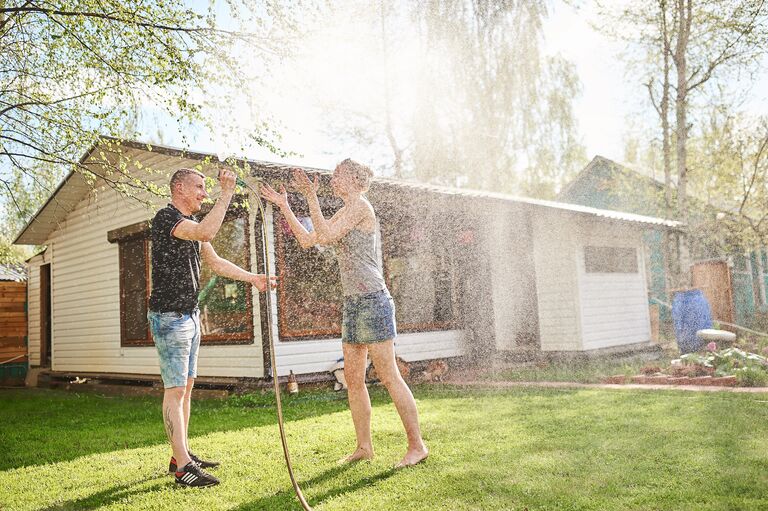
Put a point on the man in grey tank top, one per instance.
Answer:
(369, 312)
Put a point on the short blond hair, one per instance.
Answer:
(180, 174)
(362, 174)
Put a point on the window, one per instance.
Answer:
(225, 304)
(309, 295)
(133, 252)
(420, 268)
(610, 260)
(226, 313)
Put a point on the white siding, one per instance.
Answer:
(86, 301)
(614, 306)
(86, 297)
(512, 270)
(319, 356)
(33, 310)
(555, 243)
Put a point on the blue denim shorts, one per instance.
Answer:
(177, 338)
(368, 318)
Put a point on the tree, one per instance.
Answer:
(684, 52)
(71, 72)
(464, 95)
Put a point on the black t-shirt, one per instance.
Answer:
(175, 265)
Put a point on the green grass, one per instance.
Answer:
(589, 371)
(540, 449)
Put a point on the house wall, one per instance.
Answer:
(513, 277)
(86, 301)
(33, 308)
(613, 306)
(86, 296)
(555, 237)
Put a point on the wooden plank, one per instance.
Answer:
(12, 352)
(11, 315)
(13, 307)
(15, 331)
(6, 342)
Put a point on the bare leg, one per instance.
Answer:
(186, 409)
(383, 356)
(175, 427)
(355, 356)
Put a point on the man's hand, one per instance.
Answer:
(227, 181)
(260, 281)
(302, 183)
(278, 199)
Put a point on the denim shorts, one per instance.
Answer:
(368, 318)
(177, 338)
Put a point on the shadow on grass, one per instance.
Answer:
(105, 497)
(287, 499)
(43, 426)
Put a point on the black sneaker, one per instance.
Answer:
(203, 463)
(197, 461)
(172, 465)
(194, 476)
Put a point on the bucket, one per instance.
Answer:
(690, 313)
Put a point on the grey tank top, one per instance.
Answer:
(359, 255)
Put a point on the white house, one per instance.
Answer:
(466, 269)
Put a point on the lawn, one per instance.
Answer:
(553, 449)
(584, 371)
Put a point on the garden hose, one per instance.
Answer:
(275, 380)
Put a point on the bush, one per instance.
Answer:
(751, 377)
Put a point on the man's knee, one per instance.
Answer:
(176, 393)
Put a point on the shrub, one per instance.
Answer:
(751, 377)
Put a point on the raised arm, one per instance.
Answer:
(206, 229)
(330, 231)
(305, 238)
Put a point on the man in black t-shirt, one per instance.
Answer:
(179, 242)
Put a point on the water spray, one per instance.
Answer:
(265, 253)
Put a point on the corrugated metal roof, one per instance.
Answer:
(74, 188)
(12, 273)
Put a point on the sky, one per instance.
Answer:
(610, 101)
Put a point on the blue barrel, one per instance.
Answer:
(690, 313)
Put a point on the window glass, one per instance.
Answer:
(610, 260)
(225, 304)
(133, 255)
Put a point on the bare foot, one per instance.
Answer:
(361, 453)
(413, 457)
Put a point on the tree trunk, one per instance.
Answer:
(397, 151)
(684, 13)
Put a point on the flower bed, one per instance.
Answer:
(728, 367)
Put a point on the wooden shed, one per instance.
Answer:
(13, 325)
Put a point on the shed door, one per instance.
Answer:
(714, 279)
(613, 297)
(45, 315)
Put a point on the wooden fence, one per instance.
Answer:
(13, 330)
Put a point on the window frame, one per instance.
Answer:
(453, 269)
(329, 206)
(247, 337)
(134, 232)
(141, 230)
